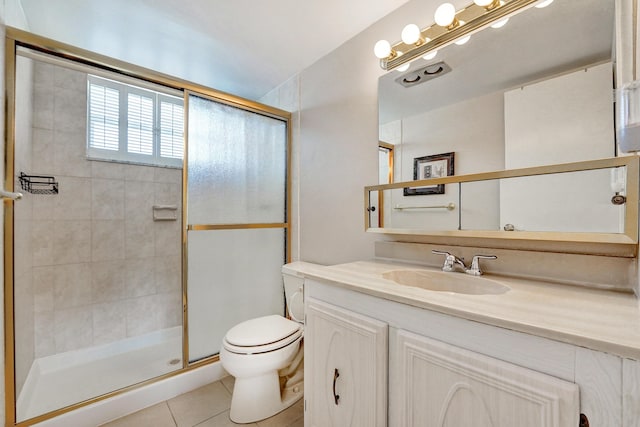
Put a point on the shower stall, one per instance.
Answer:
(153, 218)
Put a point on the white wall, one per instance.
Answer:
(14, 15)
(338, 152)
(567, 118)
(337, 142)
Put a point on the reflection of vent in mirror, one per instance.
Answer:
(423, 74)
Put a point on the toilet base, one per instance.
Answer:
(257, 398)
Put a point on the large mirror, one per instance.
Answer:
(537, 91)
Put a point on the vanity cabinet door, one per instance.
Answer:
(436, 384)
(345, 368)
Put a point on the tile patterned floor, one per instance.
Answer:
(207, 406)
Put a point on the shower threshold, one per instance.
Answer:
(61, 380)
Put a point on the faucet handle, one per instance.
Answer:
(474, 270)
(437, 252)
(450, 260)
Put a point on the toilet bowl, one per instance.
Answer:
(265, 355)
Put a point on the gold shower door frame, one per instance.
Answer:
(17, 38)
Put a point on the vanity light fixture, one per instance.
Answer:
(450, 26)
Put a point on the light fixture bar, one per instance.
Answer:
(475, 18)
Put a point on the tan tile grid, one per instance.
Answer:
(207, 406)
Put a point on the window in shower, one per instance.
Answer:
(132, 124)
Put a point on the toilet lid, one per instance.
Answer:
(261, 331)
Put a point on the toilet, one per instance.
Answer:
(265, 355)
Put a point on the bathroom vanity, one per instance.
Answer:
(381, 353)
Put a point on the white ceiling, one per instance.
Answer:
(244, 47)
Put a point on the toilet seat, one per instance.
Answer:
(262, 335)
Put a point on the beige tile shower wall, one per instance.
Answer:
(103, 269)
(23, 263)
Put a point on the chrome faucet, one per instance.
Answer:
(474, 270)
(451, 261)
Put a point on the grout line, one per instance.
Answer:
(166, 402)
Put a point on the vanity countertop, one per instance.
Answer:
(597, 319)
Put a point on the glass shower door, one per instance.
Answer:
(236, 219)
(97, 289)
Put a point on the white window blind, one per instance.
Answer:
(103, 117)
(140, 124)
(171, 130)
(133, 124)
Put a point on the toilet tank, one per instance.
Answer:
(293, 291)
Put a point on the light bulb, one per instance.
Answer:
(462, 41)
(483, 3)
(500, 23)
(411, 34)
(445, 14)
(382, 49)
(429, 56)
(543, 3)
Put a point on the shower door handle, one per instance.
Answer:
(10, 195)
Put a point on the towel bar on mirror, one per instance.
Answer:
(449, 207)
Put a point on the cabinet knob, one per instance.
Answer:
(584, 421)
(336, 374)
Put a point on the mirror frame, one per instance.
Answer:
(612, 244)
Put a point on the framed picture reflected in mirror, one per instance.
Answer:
(427, 167)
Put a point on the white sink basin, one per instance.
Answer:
(438, 281)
